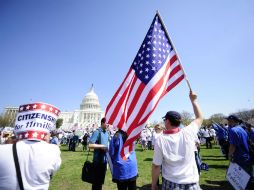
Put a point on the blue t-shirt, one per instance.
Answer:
(239, 138)
(99, 155)
(122, 169)
(54, 140)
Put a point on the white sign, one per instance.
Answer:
(36, 117)
(237, 176)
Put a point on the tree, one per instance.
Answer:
(186, 117)
(245, 115)
(207, 122)
(59, 123)
(6, 120)
(251, 121)
(217, 118)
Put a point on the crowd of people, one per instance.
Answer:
(176, 152)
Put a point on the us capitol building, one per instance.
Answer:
(89, 115)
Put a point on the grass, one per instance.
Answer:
(68, 177)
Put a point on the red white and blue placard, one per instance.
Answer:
(35, 120)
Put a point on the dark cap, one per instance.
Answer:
(103, 120)
(172, 115)
(233, 117)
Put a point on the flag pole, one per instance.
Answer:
(187, 81)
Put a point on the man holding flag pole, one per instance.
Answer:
(174, 152)
(155, 71)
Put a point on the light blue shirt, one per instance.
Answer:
(54, 140)
(99, 155)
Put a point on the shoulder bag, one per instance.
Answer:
(16, 161)
(88, 170)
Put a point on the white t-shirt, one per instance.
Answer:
(212, 132)
(37, 159)
(175, 152)
(143, 136)
(149, 135)
(155, 136)
(205, 133)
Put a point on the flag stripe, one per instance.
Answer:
(176, 81)
(118, 106)
(135, 95)
(118, 90)
(153, 108)
(121, 114)
(115, 101)
(154, 91)
(137, 131)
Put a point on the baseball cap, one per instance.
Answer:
(233, 117)
(172, 115)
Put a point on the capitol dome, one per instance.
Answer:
(90, 101)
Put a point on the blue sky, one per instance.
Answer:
(52, 51)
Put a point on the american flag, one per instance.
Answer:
(154, 72)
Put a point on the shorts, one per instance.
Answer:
(168, 185)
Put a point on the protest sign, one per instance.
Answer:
(237, 176)
(35, 120)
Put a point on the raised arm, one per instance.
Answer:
(196, 109)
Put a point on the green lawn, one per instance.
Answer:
(68, 177)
